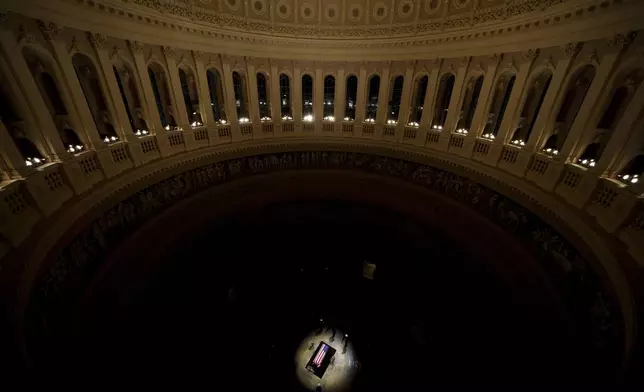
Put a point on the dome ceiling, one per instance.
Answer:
(348, 18)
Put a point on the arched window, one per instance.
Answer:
(532, 105)
(468, 106)
(239, 85)
(285, 97)
(372, 98)
(307, 98)
(8, 113)
(633, 171)
(395, 100)
(161, 95)
(351, 98)
(263, 97)
(216, 95)
(28, 150)
(190, 97)
(329, 97)
(53, 94)
(574, 96)
(610, 114)
(420, 91)
(90, 84)
(445, 87)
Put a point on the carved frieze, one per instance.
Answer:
(579, 285)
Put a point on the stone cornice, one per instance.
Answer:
(557, 27)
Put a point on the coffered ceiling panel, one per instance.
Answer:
(356, 12)
(431, 9)
(332, 12)
(259, 9)
(405, 11)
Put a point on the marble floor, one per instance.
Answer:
(341, 371)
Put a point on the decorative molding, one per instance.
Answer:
(25, 37)
(136, 46)
(549, 62)
(114, 53)
(531, 54)
(49, 30)
(277, 25)
(97, 39)
(197, 54)
(621, 40)
(570, 50)
(169, 52)
(73, 46)
(593, 58)
(573, 276)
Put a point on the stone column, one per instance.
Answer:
(485, 97)
(10, 155)
(405, 102)
(536, 139)
(511, 115)
(579, 133)
(202, 87)
(79, 112)
(179, 109)
(454, 108)
(340, 97)
(619, 139)
(148, 100)
(253, 105)
(362, 93)
(276, 99)
(123, 122)
(296, 97)
(509, 121)
(318, 98)
(430, 95)
(27, 85)
(229, 94)
(454, 104)
(383, 97)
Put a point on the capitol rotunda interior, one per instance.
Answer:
(322, 195)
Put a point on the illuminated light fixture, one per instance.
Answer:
(113, 138)
(287, 118)
(413, 124)
(196, 124)
(462, 131)
(212, 104)
(167, 127)
(633, 179)
(194, 112)
(106, 140)
(550, 151)
(138, 132)
(28, 163)
(437, 127)
(348, 119)
(222, 121)
(588, 162)
(489, 136)
(392, 122)
(518, 142)
(76, 148)
(37, 160)
(308, 118)
(329, 118)
(243, 120)
(370, 120)
(265, 118)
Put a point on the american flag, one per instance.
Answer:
(320, 356)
